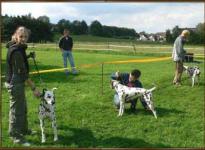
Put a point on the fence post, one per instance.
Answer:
(102, 65)
(134, 47)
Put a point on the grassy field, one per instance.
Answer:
(86, 118)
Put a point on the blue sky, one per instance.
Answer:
(148, 17)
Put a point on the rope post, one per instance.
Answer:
(133, 44)
(102, 65)
(33, 45)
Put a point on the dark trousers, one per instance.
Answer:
(134, 103)
(18, 124)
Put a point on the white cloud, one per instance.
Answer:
(161, 18)
(53, 10)
(149, 17)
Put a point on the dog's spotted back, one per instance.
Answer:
(126, 93)
(47, 109)
(193, 73)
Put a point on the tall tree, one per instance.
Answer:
(175, 32)
(62, 24)
(169, 38)
(76, 27)
(44, 19)
(96, 28)
(200, 31)
(84, 27)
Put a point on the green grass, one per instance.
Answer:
(86, 118)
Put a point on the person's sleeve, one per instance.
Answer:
(124, 78)
(179, 47)
(60, 43)
(71, 44)
(19, 65)
(140, 85)
(113, 76)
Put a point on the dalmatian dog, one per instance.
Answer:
(193, 73)
(126, 93)
(47, 109)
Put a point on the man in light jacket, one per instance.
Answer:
(178, 55)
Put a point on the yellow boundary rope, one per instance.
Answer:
(110, 62)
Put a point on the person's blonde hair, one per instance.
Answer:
(185, 33)
(19, 30)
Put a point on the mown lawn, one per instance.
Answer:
(86, 118)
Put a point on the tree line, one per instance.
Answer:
(197, 34)
(42, 30)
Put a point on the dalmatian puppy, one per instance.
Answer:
(193, 73)
(47, 109)
(127, 93)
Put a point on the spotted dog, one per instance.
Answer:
(126, 93)
(193, 73)
(47, 109)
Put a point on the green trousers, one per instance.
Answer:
(18, 124)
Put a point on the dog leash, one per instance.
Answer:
(36, 67)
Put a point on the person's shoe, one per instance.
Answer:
(178, 84)
(21, 142)
(74, 72)
(67, 73)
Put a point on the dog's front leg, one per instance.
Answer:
(54, 128)
(121, 110)
(193, 78)
(43, 138)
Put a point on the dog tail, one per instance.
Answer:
(152, 89)
(54, 89)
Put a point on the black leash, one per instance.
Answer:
(36, 67)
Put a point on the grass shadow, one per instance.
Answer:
(84, 138)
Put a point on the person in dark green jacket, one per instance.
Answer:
(16, 76)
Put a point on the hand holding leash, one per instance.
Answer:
(32, 55)
(36, 93)
(8, 86)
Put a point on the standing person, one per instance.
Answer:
(66, 46)
(178, 55)
(130, 80)
(16, 76)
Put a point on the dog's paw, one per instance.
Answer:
(43, 141)
(55, 139)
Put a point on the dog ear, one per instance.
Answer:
(44, 90)
(43, 93)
